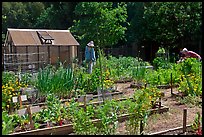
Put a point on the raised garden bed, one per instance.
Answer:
(67, 129)
(175, 131)
(90, 96)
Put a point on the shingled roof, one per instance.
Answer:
(26, 37)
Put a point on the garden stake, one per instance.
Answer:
(20, 101)
(141, 127)
(159, 102)
(171, 85)
(184, 119)
(30, 117)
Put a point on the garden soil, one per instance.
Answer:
(160, 122)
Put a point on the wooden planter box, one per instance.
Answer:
(175, 131)
(67, 129)
(118, 93)
(167, 86)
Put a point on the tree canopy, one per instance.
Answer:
(109, 23)
(102, 22)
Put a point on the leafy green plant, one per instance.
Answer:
(191, 83)
(59, 81)
(7, 123)
(144, 99)
(139, 73)
(82, 123)
(196, 126)
(53, 112)
(108, 115)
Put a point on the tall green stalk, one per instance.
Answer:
(100, 64)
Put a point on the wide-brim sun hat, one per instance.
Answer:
(184, 50)
(91, 44)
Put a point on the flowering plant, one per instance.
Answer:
(10, 87)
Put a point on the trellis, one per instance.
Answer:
(24, 61)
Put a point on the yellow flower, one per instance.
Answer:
(66, 103)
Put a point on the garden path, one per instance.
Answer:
(160, 122)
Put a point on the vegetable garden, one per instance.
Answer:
(59, 88)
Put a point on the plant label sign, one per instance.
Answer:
(23, 98)
(15, 99)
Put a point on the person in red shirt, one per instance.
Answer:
(189, 54)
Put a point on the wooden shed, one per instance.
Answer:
(35, 48)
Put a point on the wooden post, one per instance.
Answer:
(30, 117)
(159, 102)
(49, 59)
(26, 54)
(141, 127)
(20, 101)
(38, 52)
(184, 119)
(171, 85)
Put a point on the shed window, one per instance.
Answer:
(45, 38)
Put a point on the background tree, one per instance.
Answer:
(20, 14)
(58, 15)
(169, 22)
(101, 22)
(135, 11)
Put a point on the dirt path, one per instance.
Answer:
(159, 122)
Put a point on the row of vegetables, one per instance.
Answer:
(55, 113)
(68, 82)
(61, 82)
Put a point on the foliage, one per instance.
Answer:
(11, 87)
(161, 50)
(139, 73)
(108, 115)
(144, 99)
(8, 76)
(135, 11)
(161, 77)
(20, 14)
(196, 126)
(170, 21)
(191, 101)
(59, 81)
(161, 60)
(191, 72)
(124, 67)
(191, 85)
(82, 123)
(7, 124)
(99, 21)
(57, 15)
(53, 109)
